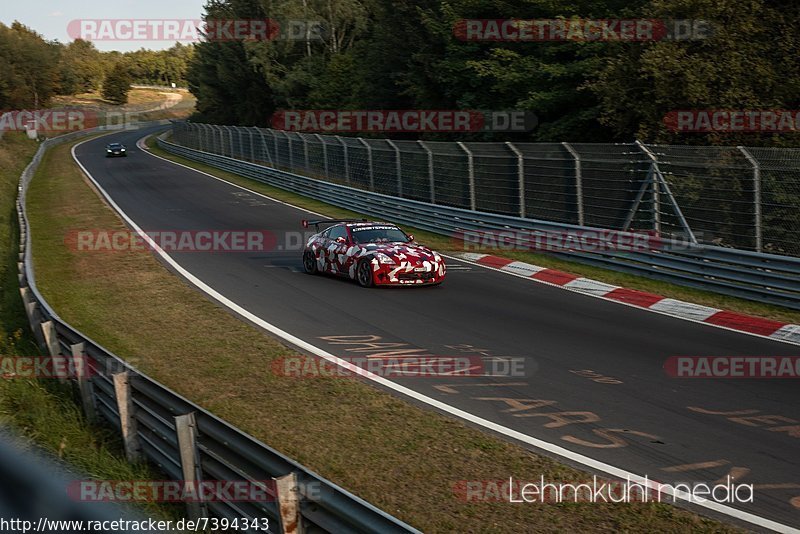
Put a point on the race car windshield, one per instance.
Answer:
(379, 234)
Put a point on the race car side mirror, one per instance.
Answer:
(340, 240)
(410, 238)
(305, 223)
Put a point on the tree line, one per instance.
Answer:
(405, 54)
(34, 69)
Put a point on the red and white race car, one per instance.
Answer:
(372, 253)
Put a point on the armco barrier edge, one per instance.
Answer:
(760, 277)
(184, 440)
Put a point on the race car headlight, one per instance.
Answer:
(108, 150)
(383, 258)
(122, 149)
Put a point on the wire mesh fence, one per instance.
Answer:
(737, 197)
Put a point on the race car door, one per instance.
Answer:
(337, 249)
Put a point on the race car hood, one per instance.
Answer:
(401, 252)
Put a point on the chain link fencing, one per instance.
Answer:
(735, 197)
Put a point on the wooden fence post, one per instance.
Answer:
(289, 503)
(122, 388)
(186, 431)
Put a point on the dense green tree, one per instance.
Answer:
(162, 67)
(748, 62)
(117, 84)
(29, 66)
(80, 67)
(403, 54)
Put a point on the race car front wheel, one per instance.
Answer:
(364, 274)
(309, 262)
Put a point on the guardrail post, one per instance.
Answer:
(215, 144)
(578, 182)
(238, 130)
(471, 174)
(180, 135)
(656, 205)
(520, 178)
(32, 311)
(25, 293)
(266, 148)
(275, 145)
(305, 151)
(51, 342)
(431, 177)
(251, 136)
(757, 216)
(186, 432)
(399, 167)
(289, 503)
(127, 420)
(229, 129)
(638, 200)
(210, 139)
(85, 386)
(324, 154)
(218, 149)
(369, 164)
(655, 186)
(289, 149)
(50, 339)
(202, 142)
(346, 160)
(676, 207)
(660, 182)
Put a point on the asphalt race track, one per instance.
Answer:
(598, 364)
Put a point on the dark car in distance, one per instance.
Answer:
(115, 150)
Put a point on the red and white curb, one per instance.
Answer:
(789, 333)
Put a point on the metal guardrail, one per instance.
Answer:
(746, 198)
(188, 443)
(750, 275)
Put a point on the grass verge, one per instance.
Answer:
(16, 150)
(446, 244)
(401, 458)
(46, 413)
